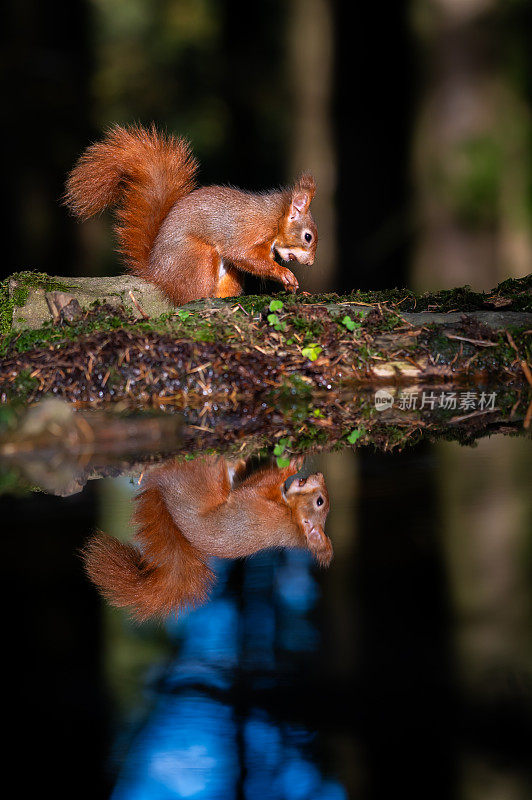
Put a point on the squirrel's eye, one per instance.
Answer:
(319, 501)
(308, 237)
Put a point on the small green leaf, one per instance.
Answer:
(354, 435)
(183, 314)
(276, 305)
(318, 413)
(281, 446)
(282, 462)
(348, 323)
(273, 319)
(312, 351)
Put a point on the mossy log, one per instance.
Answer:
(28, 295)
(124, 343)
(25, 300)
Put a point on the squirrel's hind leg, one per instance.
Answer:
(230, 281)
(188, 270)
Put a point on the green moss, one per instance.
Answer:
(6, 309)
(311, 329)
(462, 298)
(25, 280)
(103, 318)
(40, 280)
(20, 295)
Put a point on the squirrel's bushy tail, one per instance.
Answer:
(141, 172)
(164, 575)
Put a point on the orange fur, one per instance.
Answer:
(191, 511)
(165, 574)
(191, 243)
(143, 173)
(229, 285)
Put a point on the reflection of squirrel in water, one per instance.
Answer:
(189, 242)
(188, 512)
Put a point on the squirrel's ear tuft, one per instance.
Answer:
(302, 194)
(306, 183)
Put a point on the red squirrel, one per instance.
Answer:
(188, 512)
(190, 242)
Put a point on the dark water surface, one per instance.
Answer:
(405, 667)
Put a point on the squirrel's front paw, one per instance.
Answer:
(289, 281)
(319, 545)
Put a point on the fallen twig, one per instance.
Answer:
(138, 306)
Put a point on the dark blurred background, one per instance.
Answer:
(414, 118)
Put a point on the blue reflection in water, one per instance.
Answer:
(196, 744)
(187, 749)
